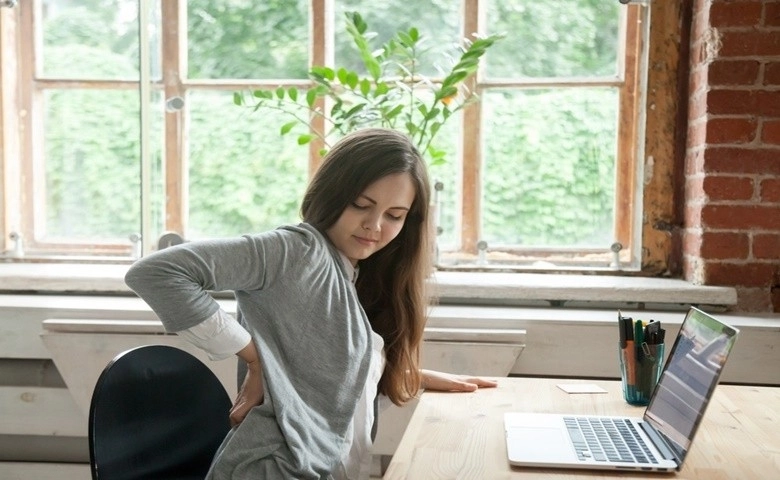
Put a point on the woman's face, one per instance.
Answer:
(374, 218)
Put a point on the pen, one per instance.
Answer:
(629, 355)
(638, 338)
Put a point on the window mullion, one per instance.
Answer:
(175, 154)
(471, 183)
(625, 188)
(10, 176)
(321, 52)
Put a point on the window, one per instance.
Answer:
(110, 137)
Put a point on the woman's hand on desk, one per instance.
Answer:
(448, 382)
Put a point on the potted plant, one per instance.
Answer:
(392, 92)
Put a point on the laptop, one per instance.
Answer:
(660, 440)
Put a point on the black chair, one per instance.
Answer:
(157, 412)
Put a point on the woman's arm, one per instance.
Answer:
(448, 382)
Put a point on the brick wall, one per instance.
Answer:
(732, 171)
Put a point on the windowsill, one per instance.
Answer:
(528, 289)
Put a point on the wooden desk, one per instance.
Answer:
(461, 435)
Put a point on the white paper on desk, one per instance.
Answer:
(581, 388)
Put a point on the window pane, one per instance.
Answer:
(553, 39)
(448, 173)
(550, 172)
(244, 176)
(438, 23)
(248, 39)
(95, 39)
(91, 164)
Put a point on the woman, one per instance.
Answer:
(330, 312)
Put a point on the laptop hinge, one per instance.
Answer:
(659, 442)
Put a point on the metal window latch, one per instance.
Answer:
(482, 247)
(135, 239)
(18, 249)
(616, 248)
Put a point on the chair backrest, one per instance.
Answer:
(157, 412)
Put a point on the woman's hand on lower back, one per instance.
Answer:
(249, 396)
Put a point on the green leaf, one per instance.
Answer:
(446, 92)
(394, 112)
(262, 94)
(303, 139)
(381, 89)
(292, 92)
(287, 127)
(405, 39)
(326, 73)
(374, 69)
(311, 97)
(354, 110)
(355, 19)
(365, 87)
(280, 93)
(342, 74)
(352, 80)
(238, 99)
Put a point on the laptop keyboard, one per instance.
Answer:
(607, 439)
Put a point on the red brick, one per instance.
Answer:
(697, 107)
(694, 189)
(766, 245)
(725, 245)
(772, 14)
(741, 217)
(764, 161)
(732, 14)
(767, 103)
(698, 81)
(694, 161)
(733, 72)
(728, 188)
(692, 215)
(731, 130)
(692, 241)
(742, 43)
(772, 73)
(770, 190)
(770, 131)
(697, 134)
(731, 102)
(739, 274)
(743, 102)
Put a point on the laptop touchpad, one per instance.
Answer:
(537, 444)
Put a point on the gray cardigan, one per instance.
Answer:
(296, 300)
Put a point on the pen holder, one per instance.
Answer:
(640, 367)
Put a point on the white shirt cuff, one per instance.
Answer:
(220, 335)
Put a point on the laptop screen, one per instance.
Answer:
(689, 378)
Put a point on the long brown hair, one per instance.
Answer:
(391, 284)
